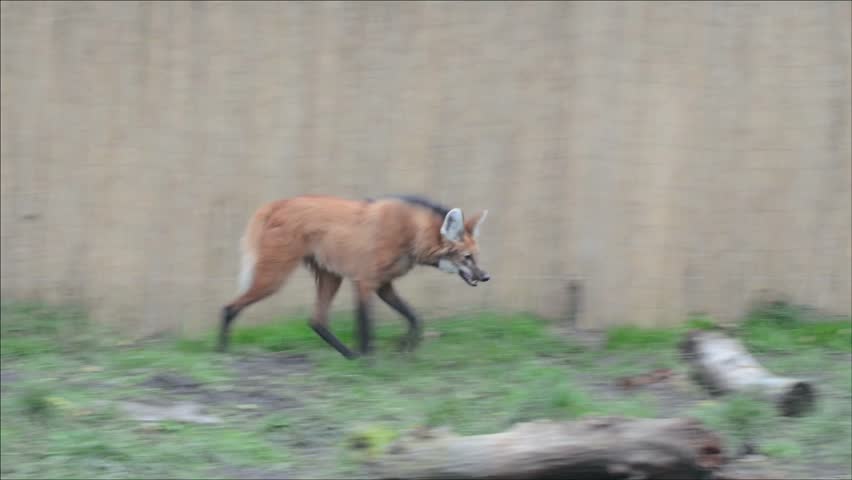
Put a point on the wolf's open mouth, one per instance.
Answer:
(470, 281)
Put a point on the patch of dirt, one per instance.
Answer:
(89, 384)
(172, 382)
(748, 469)
(256, 396)
(272, 364)
(673, 396)
(251, 473)
(592, 339)
(760, 467)
(189, 412)
(649, 378)
(8, 377)
(262, 400)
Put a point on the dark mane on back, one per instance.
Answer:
(418, 201)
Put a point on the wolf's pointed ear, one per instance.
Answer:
(453, 227)
(473, 223)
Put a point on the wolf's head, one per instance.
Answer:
(459, 249)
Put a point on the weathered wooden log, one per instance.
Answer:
(596, 448)
(722, 365)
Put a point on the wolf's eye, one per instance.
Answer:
(468, 256)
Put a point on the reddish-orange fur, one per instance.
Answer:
(369, 243)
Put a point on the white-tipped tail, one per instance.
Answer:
(249, 248)
(247, 262)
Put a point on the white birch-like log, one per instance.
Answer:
(722, 365)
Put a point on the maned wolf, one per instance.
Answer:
(370, 242)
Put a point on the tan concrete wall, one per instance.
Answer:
(671, 156)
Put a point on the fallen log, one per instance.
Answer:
(722, 365)
(596, 448)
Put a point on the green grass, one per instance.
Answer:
(476, 374)
(777, 330)
(372, 439)
(740, 417)
(35, 402)
(630, 338)
(30, 329)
